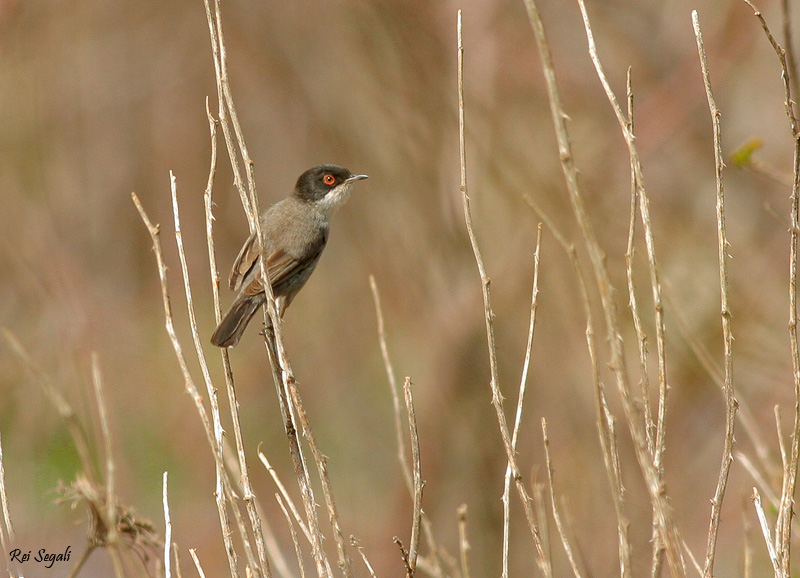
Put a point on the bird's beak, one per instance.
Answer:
(356, 178)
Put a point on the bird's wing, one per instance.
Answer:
(245, 261)
(280, 267)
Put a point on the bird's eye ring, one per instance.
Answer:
(329, 179)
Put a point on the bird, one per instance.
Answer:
(294, 233)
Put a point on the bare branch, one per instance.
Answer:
(730, 400)
(463, 543)
(520, 400)
(167, 529)
(497, 397)
(650, 468)
(556, 514)
(418, 483)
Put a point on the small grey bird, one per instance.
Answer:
(294, 231)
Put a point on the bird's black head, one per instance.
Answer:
(314, 184)
(327, 186)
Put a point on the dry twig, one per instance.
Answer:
(783, 530)
(418, 483)
(463, 543)
(167, 529)
(650, 467)
(497, 397)
(556, 514)
(730, 400)
(520, 400)
(402, 455)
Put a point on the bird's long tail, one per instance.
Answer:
(232, 326)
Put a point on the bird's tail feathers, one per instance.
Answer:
(232, 326)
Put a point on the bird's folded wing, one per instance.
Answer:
(245, 261)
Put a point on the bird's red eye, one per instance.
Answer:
(329, 179)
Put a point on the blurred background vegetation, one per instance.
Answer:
(103, 97)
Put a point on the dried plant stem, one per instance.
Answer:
(288, 394)
(641, 337)
(556, 514)
(783, 528)
(189, 384)
(520, 400)
(626, 126)
(167, 529)
(217, 433)
(298, 552)
(402, 455)
(214, 19)
(6, 529)
(730, 400)
(196, 561)
(697, 347)
(650, 467)
(413, 546)
(248, 496)
(656, 443)
(606, 424)
(111, 506)
(463, 542)
(283, 382)
(345, 564)
(110, 471)
(354, 544)
(285, 495)
(788, 41)
(497, 397)
(762, 520)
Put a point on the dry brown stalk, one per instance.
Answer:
(762, 520)
(783, 529)
(256, 523)
(413, 547)
(211, 392)
(354, 544)
(606, 423)
(520, 400)
(298, 552)
(188, 380)
(167, 528)
(196, 561)
(288, 394)
(463, 542)
(434, 562)
(730, 400)
(497, 397)
(554, 507)
(650, 468)
(6, 529)
(112, 508)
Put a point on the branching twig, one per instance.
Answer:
(297, 551)
(354, 544)
(556, 515)
(497, 397)
(762, 520)
(413, 547)
(650, 468)
(606, 428)
(520, 400)
(730, 400)
(783, 528)
(402, 455)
